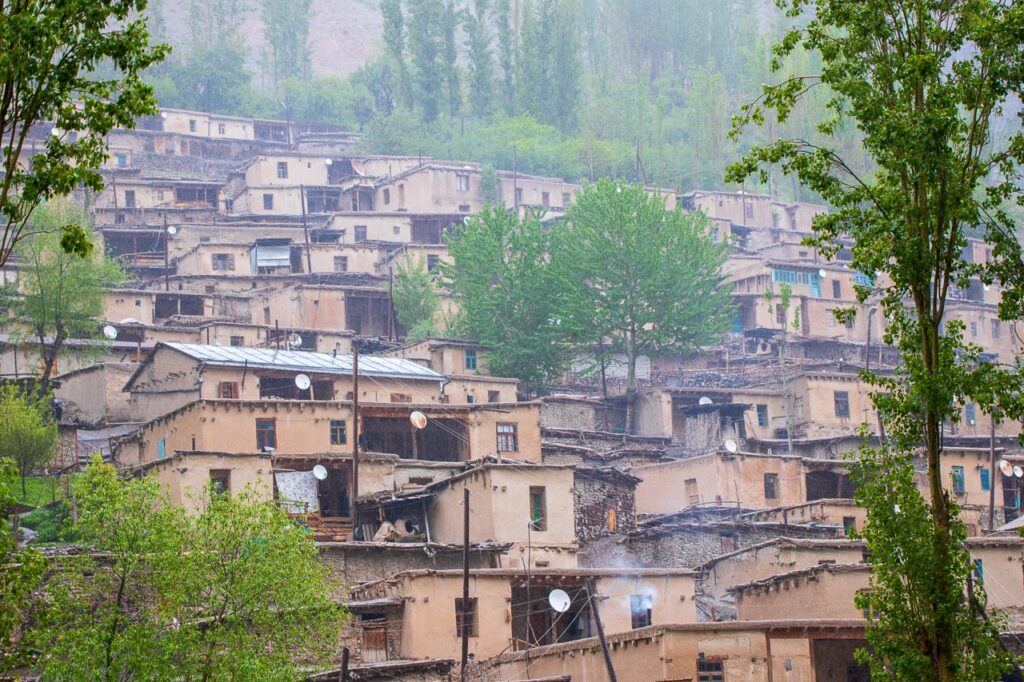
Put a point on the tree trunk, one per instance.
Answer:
(631, 383)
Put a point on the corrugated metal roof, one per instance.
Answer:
(304, 361)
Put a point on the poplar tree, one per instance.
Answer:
(426, 48)
(450, 18)
(286, 33)
(505, 29)
(923, 81)
(481, 68)
(394, 43)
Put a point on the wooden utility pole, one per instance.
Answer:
(355, 423)
(992, 475)
(465, 581)
(592, 593)
(343, 675)
(305, 229)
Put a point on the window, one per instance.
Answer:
(387, 196)
(122, 160)
(268, 202)
(851, 322)
(959, 483)
(506, 437)
(780, 315)
(396, 229)
(339, 434)
(762, 415)
(228, 390)
(282, 169)
(748, 210)
(842, 403)
(401, 398)
(266, 434)
(161, 448)
(849, 525)
(692, 494)
(640, 610)
(470, 399)
(710, 671)
(191, 125)
(519, 195)
(538, 507)
(220, 129)
(566, 199)
(869, 612)
(545, 198)
(974, 330)
(995, 329)
(431, 262)
(462, 182)
(785, 276)
(463, 208)
(970, 413)
(341, 263)
(360, 233)
(863, 280)
(986, 480)
(465, 617)
(612, 519)
(837, 289)
(471, 358)
(223, 261)
(129, 198)
(237, 341)
(220, 481)
(979, 571)
(771, 486)
(494, 396)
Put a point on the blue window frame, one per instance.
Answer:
(863, 280)
(959, 485)
(986, 481)
(969, 413)
(979, 571)
(470, 359)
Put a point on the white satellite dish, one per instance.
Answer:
(320, 472)
(418, 419)
(328, 162)
(704, 400)
(1005, 467)
(986, 287)
(730, 445)
(294, 341)
(172, 230)
(129, 320)
(1018, 472)
(110, 331)
(822, 273)
(302, 382)
(560, 600)
(465, 221)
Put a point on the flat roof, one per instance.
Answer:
(303, 361)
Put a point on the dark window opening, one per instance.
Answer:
(220, 481)
(237, 340)
(228, 390)
(282, 169)
(223, 261)
(762, 415)
(339, 433)
(640, 610)
(538, 508)
(710, 671)
(771, 486)
(837, 289)
(268, 202)
(494, 396)
(471, 359)
(466, 617)
(360, 233)
(507, 441)
(842, 403)
(266, 434)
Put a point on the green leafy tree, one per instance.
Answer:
(481, 67)
(490, 185)
(644, 276)
(504, 25)
(49, 73)
(28, 432)
(236, 591)
(923, 82)
(60, 294)
(214, 22)
(451, 17)
(416, 300)
(426, 47)
(210, 78)
(395, 44)
(501, 279)
(20, 571)
(286, 33)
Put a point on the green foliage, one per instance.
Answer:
(286, 33)
(426, 19)
(212, 78)
(923, 82)
(329, 100)
(481, 67)
(20, 571)
(52, 523)
(60, 294)
(234, 592)
(49, 71)
(28, 432)
(490, 185)
(501, 279)
(416, 301)
(632, 271)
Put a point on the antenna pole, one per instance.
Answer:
(592, 593)
(465, 581)
(305, 228)
(355, 422)
(167, 254)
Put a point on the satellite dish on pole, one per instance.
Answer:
(704, 400)
(172, 230)
(110, 331)
(822, 273)
(302, 382)
(730, 445)
(418, 419)
(559, 600)
(1005, 467)
(320, 472)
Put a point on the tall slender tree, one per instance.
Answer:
(481, 67)
(395, 45)
(451, 17)
(426, 47)
(922, 80)
(286, 34)
(504, 24)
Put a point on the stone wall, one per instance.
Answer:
(596, 499)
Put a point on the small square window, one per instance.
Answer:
(432, 262)
(191, 125)
(494, 396)
(339, 433)
(221, 129)
(282, 169)
(268, 202)
(122, 160)
(396, 229)
(360, 233)
(220, 481)
(462, 182)
(710, 671)
(507, 441)
(545, 198)
(849, 525)
(566, 199)
(237, 341)
(341, 263)
(842, 403)
(223, 261)
(466, 617)
(228, 390)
